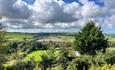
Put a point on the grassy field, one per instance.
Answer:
(18, 36)
(68, 38)
(111, 38)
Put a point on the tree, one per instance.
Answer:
(90, 39)
(2, 47)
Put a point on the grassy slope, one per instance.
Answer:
(65, 38)
(36, 55)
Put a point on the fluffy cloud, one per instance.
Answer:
(52, 11)
(110, 4)
(110, 21)
(55, 13)
(14, 9)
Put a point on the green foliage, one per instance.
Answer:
(57, 68)
(104, 58)
(103, 67)
(72, 65)
(36, 55)
(90, 39)
(48, 60)
(110, 58)
(101, 61)
(29, 65)
(2, 45)
(38, 46)
(64, 59)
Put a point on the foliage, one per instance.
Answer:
(29, 65)
(64, 59)
(90, 39)
(48, 60)
(36, 55)
(104, 58)
(27, 46)
(59, 67)
(72, 65)
(38, 46)
(3, 47)
(110, 58)
(103, 67)
(33, 55)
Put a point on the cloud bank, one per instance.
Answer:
(54, 14)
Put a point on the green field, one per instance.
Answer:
(111, 38)
(18, 36)
(70, 38)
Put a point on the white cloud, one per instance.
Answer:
(110, 4)
(110, 21)
(55, 13)
(90, 10)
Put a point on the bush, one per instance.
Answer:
(110, 58)
(30, 65)
(80, 63)
(72, 65)
(103, 67)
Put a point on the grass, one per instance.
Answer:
(36, 55)
(110, 38)
(18, 36)
(65, 38)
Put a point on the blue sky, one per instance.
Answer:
(101, 3)
(57, 14)
(29, 1)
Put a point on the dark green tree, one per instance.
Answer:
(90, 39)
(2, 45)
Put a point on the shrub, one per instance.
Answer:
(102, 67)
(110, 58)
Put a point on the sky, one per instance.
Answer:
(56, 15)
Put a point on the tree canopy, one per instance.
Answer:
(90, 39)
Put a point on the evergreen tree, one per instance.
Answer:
(90, 39)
